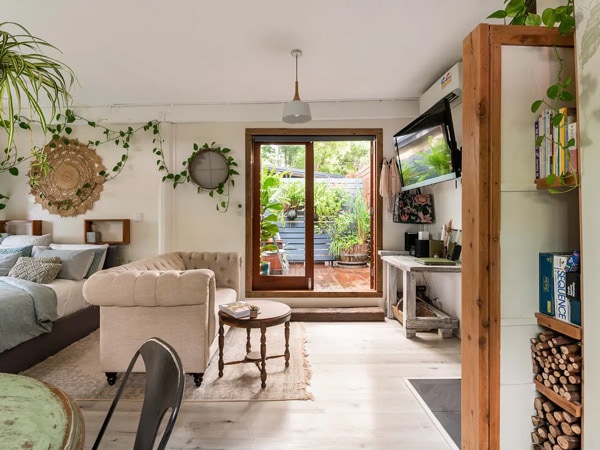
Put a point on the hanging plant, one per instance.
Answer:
(210, 168)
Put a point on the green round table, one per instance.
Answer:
(35, 415)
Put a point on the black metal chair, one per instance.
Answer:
(164, 390)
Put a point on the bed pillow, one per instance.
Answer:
(7, 261)
(19, 240)
(75, 263)
(24, 251)
(38, 270)
(99, 254)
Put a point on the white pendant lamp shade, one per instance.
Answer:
(296, 111)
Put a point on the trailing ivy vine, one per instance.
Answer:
(62, 128)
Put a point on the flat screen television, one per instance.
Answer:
(426, 148)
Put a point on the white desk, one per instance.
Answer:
(410, 267)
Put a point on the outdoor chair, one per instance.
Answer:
(163, 391)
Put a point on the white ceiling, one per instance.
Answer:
(145, 52)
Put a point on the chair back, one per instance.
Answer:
(164, 390)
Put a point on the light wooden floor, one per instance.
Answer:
(360, 399)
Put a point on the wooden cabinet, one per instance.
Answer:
(108, 231)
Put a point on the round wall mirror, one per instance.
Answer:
(208, 168)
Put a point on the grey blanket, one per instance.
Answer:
(26, 310)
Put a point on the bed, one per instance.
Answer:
(75, 318)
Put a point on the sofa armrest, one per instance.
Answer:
(114, 287)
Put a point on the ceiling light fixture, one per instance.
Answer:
(296, 111)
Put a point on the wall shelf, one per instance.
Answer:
(33, 227)
(570, 181)
(572, 408)
(568, 329)
(112, 231)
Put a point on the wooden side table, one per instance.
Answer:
(271, 314)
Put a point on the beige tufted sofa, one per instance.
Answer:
(174, 296)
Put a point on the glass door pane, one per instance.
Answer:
(284, 234)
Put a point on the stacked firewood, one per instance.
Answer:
(557, 364)
(555, 429)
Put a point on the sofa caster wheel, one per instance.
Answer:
(111, 377)
(197, 378)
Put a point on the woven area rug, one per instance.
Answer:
(76, 369)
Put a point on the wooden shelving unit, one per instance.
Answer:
(99, 225)
(33, 227)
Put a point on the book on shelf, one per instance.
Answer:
(239, 310)
(556, 146)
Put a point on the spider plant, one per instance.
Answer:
(26, 73)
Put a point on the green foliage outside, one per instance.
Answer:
(270, 208)
(336, 158)
(350, 227)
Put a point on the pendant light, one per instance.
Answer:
(296, 111)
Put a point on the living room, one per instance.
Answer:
(204, 107)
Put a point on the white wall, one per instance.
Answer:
(588, 68)
(531, 222)
(173, 219)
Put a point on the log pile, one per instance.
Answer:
(557, 364)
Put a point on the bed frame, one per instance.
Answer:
(65, 330)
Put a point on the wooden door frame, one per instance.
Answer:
(481, 306)
(376, 232)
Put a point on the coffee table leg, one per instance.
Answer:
(221, 344)
(263, 356)
(287, 344)
(248, 347)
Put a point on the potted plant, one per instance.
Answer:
(350, 232)
(292, 198)
(270, 211)
(26, 73)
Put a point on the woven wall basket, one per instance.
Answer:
(72, 185)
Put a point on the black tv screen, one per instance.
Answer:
(426, 148)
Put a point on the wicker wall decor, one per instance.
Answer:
(73, 183)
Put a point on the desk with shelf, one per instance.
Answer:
(410, 266)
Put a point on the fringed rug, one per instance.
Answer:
(76, 370)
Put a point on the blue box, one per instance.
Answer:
(546, 298)
(575, 307)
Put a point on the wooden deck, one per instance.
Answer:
(330, 278)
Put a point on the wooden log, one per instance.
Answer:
(572, 396)
(551, 419)
(542, 432)
(570, 349)
(546, 335)
(568, 442)
(574, 379)
(548, 406)
(558, 415)
(551, 439)
(554, 431)
(569, 418)
(535, 438)
(547, 446)
(537, 421)
(576, 428)
(574, 358)
(561, 340)
(538, 402)
(566, 428)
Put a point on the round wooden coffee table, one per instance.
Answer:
(271, 314)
